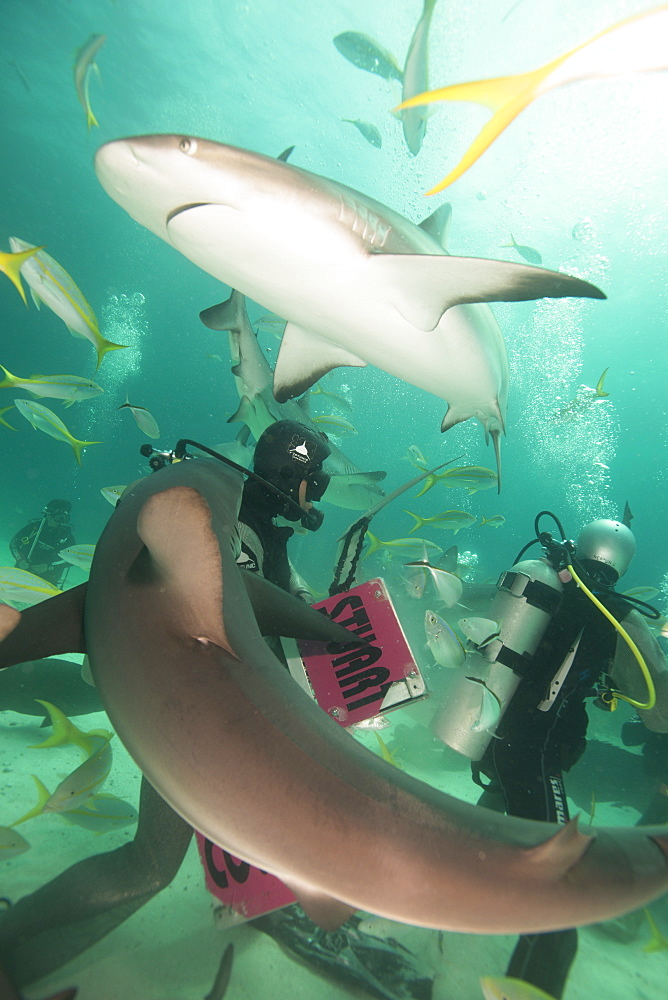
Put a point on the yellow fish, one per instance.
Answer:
(71, 388)
(51, 284)
(11, 843)
(84, 64)
(98, 813)
(21, 587)
(657, 942)
(636, 44)
(44, 419)
(113, 493)
(505, 988)
(10, 264)
(453, 519)
(5, 409)
(467, 477)
(86, 779)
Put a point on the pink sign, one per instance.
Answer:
(242, 888)
(359, 683)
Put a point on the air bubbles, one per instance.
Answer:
(584, 231)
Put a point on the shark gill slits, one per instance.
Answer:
(185, 208)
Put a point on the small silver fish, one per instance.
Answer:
(366, 129)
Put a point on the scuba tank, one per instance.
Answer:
(526, 600)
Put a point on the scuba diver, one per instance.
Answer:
(581, 652)
(36, 546)
(60, 920)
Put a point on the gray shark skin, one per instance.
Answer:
(235, 746)
(349, 487)
(357, 282)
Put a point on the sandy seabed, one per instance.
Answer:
(171, 948)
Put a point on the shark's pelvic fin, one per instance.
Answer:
(326, 912)
(424, 286)
(303, 359)
(562, 851)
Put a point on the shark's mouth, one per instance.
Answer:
(185, 208)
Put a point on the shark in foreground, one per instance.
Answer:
(232, 743)
(357, 282)
(349, 487)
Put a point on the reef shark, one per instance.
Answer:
(349, 487)
(239, 750)
(357, 282)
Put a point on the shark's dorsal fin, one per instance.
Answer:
(421, 286)
(303, 359)
(227, 315)
(437, 224)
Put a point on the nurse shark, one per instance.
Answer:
(173, 630)
(356, 281)
(348, 486)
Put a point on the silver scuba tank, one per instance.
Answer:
(527, 597)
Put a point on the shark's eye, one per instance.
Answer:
(188, 146)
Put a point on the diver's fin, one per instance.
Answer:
(226, 315)
(304, 358)
(279, 613)
(422, 286)
(183, 551)
(51, 627)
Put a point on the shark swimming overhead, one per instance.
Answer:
(357, 282)
(348, 486)
(173, 629)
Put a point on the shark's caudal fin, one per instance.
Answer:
(303, 359)
(46, 629)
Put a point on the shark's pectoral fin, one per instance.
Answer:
(421, 287)
(325, 911)
(46, 629)
(9, 619)
(303, 359)
(183, 556)
(279, 613)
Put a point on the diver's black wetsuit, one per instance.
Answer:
(525, 764)
(63, 918)
(38, 543)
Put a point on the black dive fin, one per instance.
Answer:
(46, 629)
(279, 613)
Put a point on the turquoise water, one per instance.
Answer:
(579, 176)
